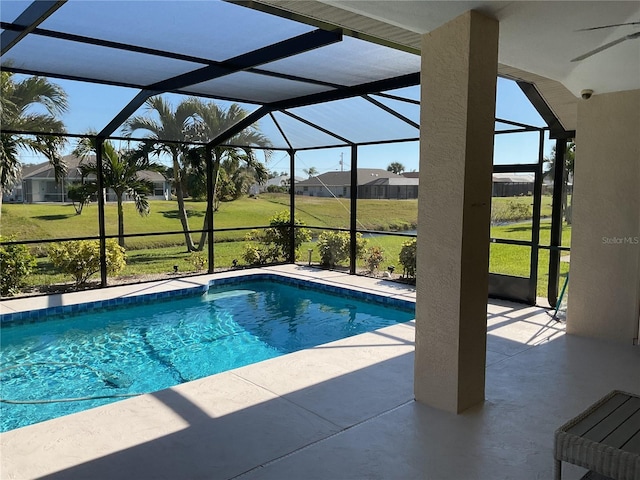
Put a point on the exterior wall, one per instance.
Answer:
(604, 285)
(502, 189)
(47, 190)
(320, 191)
(37, 191)
(157, 188)
(388, 192)
(383, 192)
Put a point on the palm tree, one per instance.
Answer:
(311, 171)
(233, 164)
(121, 173)
(175, 124)
(17, 102)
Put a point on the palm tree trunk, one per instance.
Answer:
(120, 221)
(1, 193)
(205, 224)
(566, 210)
(205, 227)
(182, 212)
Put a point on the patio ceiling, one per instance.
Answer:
(223, 51)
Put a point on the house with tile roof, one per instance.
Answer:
(372, 183)
(39, 183)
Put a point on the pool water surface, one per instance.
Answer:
(100, 357)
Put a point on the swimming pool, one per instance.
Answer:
(110, 353)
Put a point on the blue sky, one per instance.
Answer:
(92, 106)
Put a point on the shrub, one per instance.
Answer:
(16, 264)
(512, 211)
(280, 235)
(275, 242)
(407, 258)
(277, 189)
(334, 247)
(81, 259)
(374, 258)
(256, 255)
(197, 260)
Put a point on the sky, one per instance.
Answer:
(92, 106)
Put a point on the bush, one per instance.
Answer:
(81, 259)
(334, 247)
(280, 235)
(512, 211)
(256, 255)
(374, 258)
(275, 243)
(407, 258)
(16, 264)
(277, 189)
(197, 260)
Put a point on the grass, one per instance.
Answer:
(146, 255)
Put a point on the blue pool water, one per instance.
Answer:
(144, 348)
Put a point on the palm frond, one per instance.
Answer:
(39, 90)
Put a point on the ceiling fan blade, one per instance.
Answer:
(603, 47)
(608, 26)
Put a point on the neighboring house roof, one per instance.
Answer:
(152, 176)
(513, 178)
(365, 175)
(45, 170)
(411, 174)
(401, 181)
(28, 169)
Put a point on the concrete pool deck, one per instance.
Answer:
(343, 410)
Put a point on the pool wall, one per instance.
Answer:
(37, 315)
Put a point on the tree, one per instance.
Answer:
(80, 194)
(121, 173)
(311, 171)
(396, 167)
(19, 104)
(234, 168)
(177, 124)
(275, 242)
(569, 160)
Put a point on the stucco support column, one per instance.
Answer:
(604, 284)
(459, 70)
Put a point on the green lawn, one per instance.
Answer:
(160, 254)
(43, 221)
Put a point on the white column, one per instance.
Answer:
(459, 74)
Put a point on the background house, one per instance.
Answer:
(512, 185)
(39, 183)
(372, 183)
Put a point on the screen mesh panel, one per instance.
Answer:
(62, 57)
(11, 10)
(302, 135)
(350, 62)
(212, 30)
(252, 87)
(358, 120)
(406, 109)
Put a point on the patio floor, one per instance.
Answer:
(343, 410)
